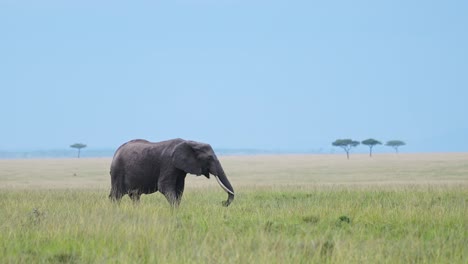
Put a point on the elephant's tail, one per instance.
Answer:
(117, 185)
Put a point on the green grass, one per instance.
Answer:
(410, 224)
(308, 221)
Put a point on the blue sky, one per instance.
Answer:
(237, 74)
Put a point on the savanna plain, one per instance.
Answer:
(406, 208)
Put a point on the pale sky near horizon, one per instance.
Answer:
(235, 74)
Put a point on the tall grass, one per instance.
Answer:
(288, 209)
(271, 224)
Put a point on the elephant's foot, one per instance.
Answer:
(135, 196)
(172, 199)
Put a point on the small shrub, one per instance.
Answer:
(345, 219)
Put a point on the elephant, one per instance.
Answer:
(143, 167)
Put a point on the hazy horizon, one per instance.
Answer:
(235, 74)
(109, 152)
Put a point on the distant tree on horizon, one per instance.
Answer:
(395, 144)
(345, 144)
(371, 143)
(78, 146)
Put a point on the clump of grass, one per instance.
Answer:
(326, 249)
(64, 258)
(344, 219)
(312, 219)
(36, 216)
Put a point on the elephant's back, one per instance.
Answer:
(141, 152)
(132, 148)
(129, 153)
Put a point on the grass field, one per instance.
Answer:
(407, 208)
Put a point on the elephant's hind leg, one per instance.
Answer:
(115, 195)
(135, 196)
(180, 184)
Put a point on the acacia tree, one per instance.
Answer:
(345, 144)
(371, 143)
(395, 144)
(78, 146)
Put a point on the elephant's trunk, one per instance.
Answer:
(225, 184)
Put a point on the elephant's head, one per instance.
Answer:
(199, 159)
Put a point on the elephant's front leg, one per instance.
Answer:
(170, 193)
(170, 186)
(180, 184)
(171, 198)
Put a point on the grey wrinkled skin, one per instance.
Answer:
(143, 167)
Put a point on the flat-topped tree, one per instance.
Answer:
(395, 144)
(345, 144)
(78, 146)
(371, 143)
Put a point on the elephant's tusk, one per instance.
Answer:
(222, 186)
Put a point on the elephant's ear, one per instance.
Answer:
(185, 158)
